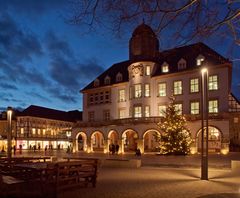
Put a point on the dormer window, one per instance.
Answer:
(165, 68)
(148, 70)
(107, 80)
(200, 59)
(182, 64)
(119, 77)
(96, 83)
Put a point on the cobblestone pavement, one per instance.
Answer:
(159, 176)
(151, 182)
(151, 159)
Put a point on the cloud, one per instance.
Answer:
(15, 42)
(38, 96)
(63, 95)
(56, 46)
(66, 70)
(8, 86)
(18, 48)
(29, 7)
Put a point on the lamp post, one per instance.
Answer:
(9, 132)
(204, 105)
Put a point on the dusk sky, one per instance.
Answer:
(46, 61)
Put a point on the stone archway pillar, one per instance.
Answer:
(140, 144)
(225, 146)
(194, 146)
(121, 146)
(75, 145)
(89, 146)
(106, 144)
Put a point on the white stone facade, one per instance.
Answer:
(129, 118)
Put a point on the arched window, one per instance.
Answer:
(107, 80)
(165, 67)
(182, 64)
(200, 59)
(119, 77)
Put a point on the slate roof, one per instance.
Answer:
(172, 56)
(43, 112)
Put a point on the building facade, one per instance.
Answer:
(125, 104)
(39, 127)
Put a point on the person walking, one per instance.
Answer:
(117, 148)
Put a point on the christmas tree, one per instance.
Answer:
(175, 138)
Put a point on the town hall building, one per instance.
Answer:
(125, 104)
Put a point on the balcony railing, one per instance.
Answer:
(60, 136)
(119, 122)
(125, 121)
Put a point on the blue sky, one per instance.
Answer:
(46, 61)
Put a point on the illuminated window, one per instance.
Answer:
(195, 108)
(165, 68)
(214, 133)
(106, 115)
(39, 131)
(91, 116)
(22, 130)
(235, 120)
(44, 131)
(200, 60)
(162, 89)
(148, 70)
(147, 90)
(162, 110)
(213, 106)
(178, 108)
(121, 95)
(213, 82)
(33, 131)
(138, 91)
(147, 111)
(122, 113)
(177, 87)
(194, 85)
(137, 112)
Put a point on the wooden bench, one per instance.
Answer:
(63, 176)
(20, 160)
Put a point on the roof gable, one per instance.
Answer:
(188, 53)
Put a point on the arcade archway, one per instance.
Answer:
(129, 138)
(214, 139)
(150, 142)
(81, 142)
(97, 141)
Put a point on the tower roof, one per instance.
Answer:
(143, 29)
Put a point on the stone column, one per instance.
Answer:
(75, 146)
(140, 145)
(89, 146)
(225, 146)
(106, 143)
(121, 146)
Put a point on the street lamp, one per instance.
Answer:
(204, 105)
(9, 132)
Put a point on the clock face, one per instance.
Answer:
(137, 70)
